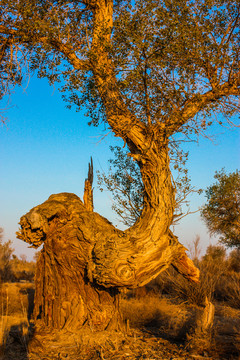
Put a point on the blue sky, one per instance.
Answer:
(45, 149)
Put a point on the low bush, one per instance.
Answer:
(22, 269)
(219, 279)
(13, 268)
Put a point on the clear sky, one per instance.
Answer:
(45, 149)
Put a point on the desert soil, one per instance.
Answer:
(156, 328)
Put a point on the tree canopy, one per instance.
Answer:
(168, 64)
(221, 213)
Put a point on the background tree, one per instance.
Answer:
(154, 71)
(215, 252)
(21, 269)
(222, 210)
(195, 249)
(234, 260)
(6, 252)
(11, 267)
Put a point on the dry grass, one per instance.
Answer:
(156, 328)
(228, 289)
(154, 312)
(107, 346)
(178, 323)
(15, 298)
(16, 306)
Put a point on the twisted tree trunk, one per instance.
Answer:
(65, 298)
(85, 259)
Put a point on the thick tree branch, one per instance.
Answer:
(122, 121)
(20, 37)
(200, 101)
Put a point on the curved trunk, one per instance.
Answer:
(85, 259)
(142, 252)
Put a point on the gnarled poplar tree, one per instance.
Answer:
(151, 70)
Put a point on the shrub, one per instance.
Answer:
(234, 260)
(6, 251)
(213, 266)
(22, 269)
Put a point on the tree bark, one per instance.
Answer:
(85, 260)
(65, 298)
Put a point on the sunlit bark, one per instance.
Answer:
(85, 259)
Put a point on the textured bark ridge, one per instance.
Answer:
(85, 259)
(65, 297)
